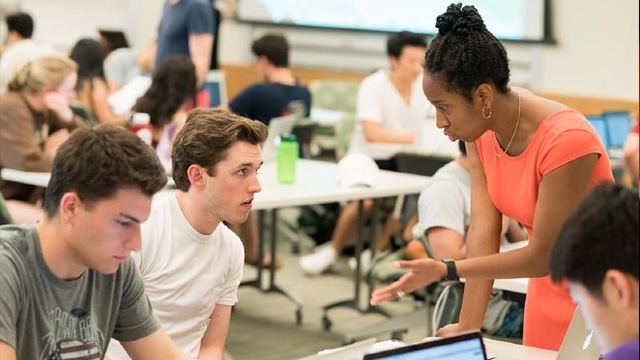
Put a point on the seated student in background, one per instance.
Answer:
(67, 283)
(35, 118)
(20, 47)
(391, 108)
(444, 214)
(191, 263)
(597, 254)
(91, 89)
(125, 64)
(172, 93)
(531, 159)
(271, 98)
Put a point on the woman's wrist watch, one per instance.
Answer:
(452, 273)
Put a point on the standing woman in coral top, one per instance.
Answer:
(531, 158)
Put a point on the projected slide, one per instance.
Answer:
(513, 19)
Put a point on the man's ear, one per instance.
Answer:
(394, 62)
(484, 92)
(197, 175)
(618, 289)
(70, 206)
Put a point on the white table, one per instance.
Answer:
(317, 183)
(500, 350)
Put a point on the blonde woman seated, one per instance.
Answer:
(35, 119)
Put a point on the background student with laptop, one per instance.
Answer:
(532, 159)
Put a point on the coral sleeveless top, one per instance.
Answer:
(513, 183)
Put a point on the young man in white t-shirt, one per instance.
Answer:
(191, 263)
(391, 109)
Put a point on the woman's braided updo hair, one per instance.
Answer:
(465, 54)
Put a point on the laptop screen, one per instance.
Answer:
(618, 127)
(460, 347)
(214, 89)
(599, 123)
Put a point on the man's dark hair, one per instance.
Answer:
(206, 138)
(398, 41)
(174, 83)
(20, 22)
(274, 47)
(600, 235)
(464, 54)
(96, 163)
(463, 148)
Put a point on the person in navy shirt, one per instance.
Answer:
(597, 254)
(280, 90)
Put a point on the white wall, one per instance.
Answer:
(596, 54)
(597, 51)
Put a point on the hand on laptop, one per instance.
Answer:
(421, 273)
(449, 330)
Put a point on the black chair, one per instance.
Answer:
(420, 164)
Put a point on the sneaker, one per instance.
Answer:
(365, 262)
(320, 261)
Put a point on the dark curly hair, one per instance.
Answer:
(173, 84)
(464, 54)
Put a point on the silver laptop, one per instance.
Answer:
(215, 85)
(579, 342)
(277, 127)
(355, 351)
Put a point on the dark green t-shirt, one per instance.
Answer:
(44, 317)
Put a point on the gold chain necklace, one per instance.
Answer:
(493, 138)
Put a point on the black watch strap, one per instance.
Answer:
(452, 272)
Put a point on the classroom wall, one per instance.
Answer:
(596, 55)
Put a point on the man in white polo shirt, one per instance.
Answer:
(190, 262)
(391, 109)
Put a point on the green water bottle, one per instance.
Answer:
(287, 157)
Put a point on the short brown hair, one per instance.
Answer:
(96, 163)
(205, 139)
(274, 47)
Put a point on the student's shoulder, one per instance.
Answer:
(230, 238)
(379, 77)
(15, 249)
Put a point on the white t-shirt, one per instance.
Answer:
(18, 54)
(379, 101)
(186, 274)
(446, 201)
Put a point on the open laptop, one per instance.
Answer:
(354, 351)
(467, 346)
(618, 127)
(214, 90)
(113, 39)
(579, 342)
(277, 127)
(600, 125)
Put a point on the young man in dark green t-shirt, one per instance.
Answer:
(67, 284)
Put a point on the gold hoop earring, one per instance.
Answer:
(486, 117)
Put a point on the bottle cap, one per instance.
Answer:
(288, 137)
(140, 118)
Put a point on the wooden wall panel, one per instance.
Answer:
(240, 76)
